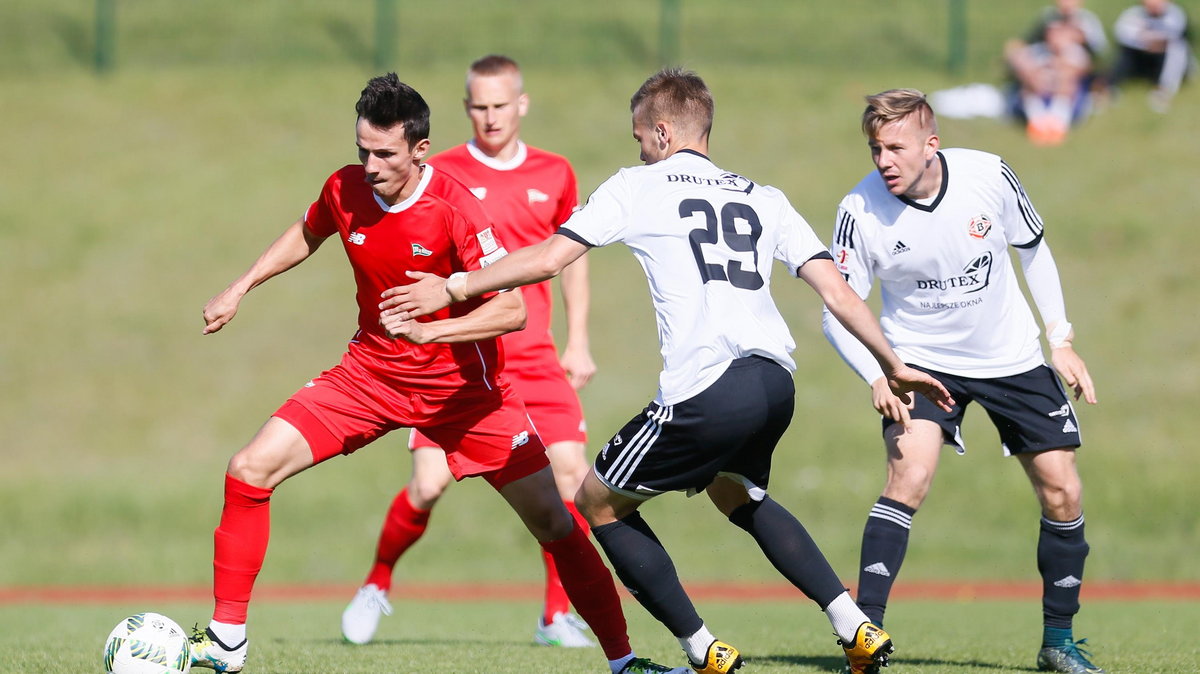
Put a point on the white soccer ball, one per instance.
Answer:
(147, 643)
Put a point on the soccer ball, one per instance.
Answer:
(147, 643)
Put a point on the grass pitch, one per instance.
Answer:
(496, 638)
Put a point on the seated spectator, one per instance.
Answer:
(1053, 77)
(1153, 38)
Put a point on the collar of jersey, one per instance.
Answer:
(426, 175)
(690, 151)
(928, 208)
(496, 164)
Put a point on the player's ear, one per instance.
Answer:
(931, 146)
(522, 104)
(420, 149)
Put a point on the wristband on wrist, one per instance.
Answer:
(1060, 336)
(456, 286)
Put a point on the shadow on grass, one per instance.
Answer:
(835, 664)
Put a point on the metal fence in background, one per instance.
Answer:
(963, 37)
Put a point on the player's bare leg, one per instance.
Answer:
(1061, 552)
(557, 626)
(276, 452)
(912, 460)
(403, 526)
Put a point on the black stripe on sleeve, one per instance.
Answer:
(1032, 220)
(844, 232)
(574, 237)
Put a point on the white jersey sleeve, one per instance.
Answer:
(852, 259)
(1022, 224)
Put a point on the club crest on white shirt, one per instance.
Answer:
(537, 196)
(980, 226)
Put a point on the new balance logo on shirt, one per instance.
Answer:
(879, 569)
(520, 439)
(357, 238)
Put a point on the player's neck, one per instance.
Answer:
(502, 154)
(407, 189)
(930, 184)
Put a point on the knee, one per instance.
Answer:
(910, 485)
(424, 491)
(248, 467)
(1063, 501)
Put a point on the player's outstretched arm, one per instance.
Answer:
(503, 313)
(528, 265)
(290, 249)
(858, 319)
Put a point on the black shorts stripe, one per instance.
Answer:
(635, 450)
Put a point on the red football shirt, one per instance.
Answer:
(527, 198)
(425, 232)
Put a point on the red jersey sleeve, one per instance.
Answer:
(320, 218)
(568, 199)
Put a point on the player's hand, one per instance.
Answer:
(425, 296)
(889, 404)
(907, 380)
(1071, 368)
(220, 310)
(406, 329)
(579, 366)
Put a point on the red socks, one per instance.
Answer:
(402, 527)
(591, 589)
(239, 546)
(556, 597)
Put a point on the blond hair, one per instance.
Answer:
(494, 64)
(678, 96)
(894, 105)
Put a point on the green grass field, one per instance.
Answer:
(127, 200)
(494, 638)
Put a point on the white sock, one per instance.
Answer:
(617, 665)
(230, 635)
(845, 616)
(1035, 107)
(696, 646)
(1060, 108)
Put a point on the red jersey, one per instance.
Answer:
(527, 197)
(425, 232)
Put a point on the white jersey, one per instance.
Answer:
(706, 239)
(951, 301)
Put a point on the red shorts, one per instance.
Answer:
(486, 431)
(552, 404)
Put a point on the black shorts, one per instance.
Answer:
(730, 427)
(1031, 410)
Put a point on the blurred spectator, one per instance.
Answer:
(1052, 83)
(1054, 70)
(1087, 26)
(1153, 38)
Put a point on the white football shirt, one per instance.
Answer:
(706, 239)
(950, 297)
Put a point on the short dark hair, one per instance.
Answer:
(386, 102)
(675, 95)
